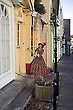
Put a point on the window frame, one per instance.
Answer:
(4, 39)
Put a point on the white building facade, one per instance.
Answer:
(7, 71)
(60, 34)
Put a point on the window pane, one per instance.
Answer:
(0, 11)
(2, 7)
(18, 34)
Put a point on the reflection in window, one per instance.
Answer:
(4, 40)
(18, 34)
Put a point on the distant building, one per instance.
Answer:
(66, 23)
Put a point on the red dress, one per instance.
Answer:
(38, 66)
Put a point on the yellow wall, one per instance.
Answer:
(27, 37)
(45, 34)
(22, 53)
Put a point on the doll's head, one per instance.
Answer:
(41, 45)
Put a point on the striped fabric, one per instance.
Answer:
(38, 66)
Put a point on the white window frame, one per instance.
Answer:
(5, 52)
(9, 75)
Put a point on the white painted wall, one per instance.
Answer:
(60, 34)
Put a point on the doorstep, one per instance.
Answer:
(15, 95)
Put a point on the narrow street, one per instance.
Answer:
(65, 68)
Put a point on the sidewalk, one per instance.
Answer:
(65, 68)
(15, 95)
